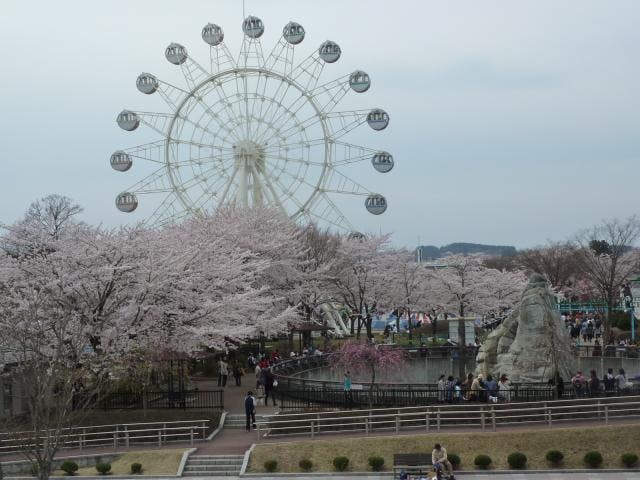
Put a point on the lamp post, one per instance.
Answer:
(635, 294)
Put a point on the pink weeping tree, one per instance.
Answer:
(364, 358)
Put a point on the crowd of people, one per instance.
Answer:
(592, 386)
(473, 389)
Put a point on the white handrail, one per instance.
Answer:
(164, 432)
(489, 416)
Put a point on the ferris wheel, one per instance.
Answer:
(252, 131)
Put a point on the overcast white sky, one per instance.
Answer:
(511, 122)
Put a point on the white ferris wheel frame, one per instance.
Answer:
(250, 166)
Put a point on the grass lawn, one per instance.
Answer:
(611, 442)
(160, 462)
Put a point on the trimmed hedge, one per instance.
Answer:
(69, 467)
(103, 468)
(341, 463)
(517, 460)
(136, 468)
(305, 465)
(482, 461)
(554, 457)
(455, 460)
(593, 459)
(629, 460)
(271, 465)
(376, 463)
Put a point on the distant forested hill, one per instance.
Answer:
(431, 251)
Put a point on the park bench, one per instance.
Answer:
(412, 463)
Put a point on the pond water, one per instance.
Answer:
(416, 371)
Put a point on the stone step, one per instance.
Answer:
(215, 457)
(200, 468)
(211, 474)
(221, 461)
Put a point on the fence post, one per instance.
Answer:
(606, 414)
(204, 430)
(312, 428)
(366, 425)
(599, 414)
(191, 436)
(397, 423)
(159, 437)
(549, 417)
(493, 419)
(126, 438)
(426, 420)
(438, 418)
(83, 438)
(482, 418)
(115, 439)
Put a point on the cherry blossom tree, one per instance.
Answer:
(47, 219)
(366, 358)
(408, 286)
(361, 275)
(466, 286)
(58, 347)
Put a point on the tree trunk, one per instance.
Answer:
(462, 345)
(372, 386)
(606, 322)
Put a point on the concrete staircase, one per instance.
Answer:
(236, 420)
(213, 465)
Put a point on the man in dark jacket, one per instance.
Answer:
(269, 380)
(250, 410)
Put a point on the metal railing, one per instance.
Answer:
(120, 435)
(295, 392)
(439, 417)
(194, 399)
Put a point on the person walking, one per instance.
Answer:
(346, 385)
(223, 372)
(258, 373)
(504, 388)
(238, 372)
(269, 384)
(250, 410)
(441, 388)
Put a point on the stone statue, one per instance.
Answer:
(532, 343)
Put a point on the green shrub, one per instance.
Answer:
(136, 468)
(376, 463)
(69, 467)
(554, 457)
(103, 468)
(593, 459)
(305, 465)
(271, 465)
(629, 459)
(517, 460)
(454, 458)
(340, 463)
(482, 461)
